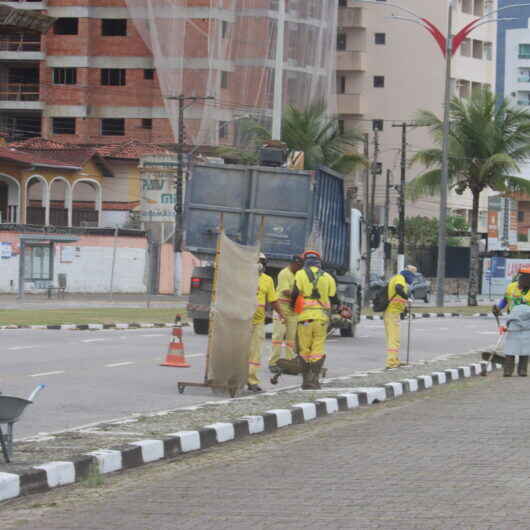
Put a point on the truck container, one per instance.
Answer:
(298, 207)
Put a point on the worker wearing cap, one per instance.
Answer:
(266, 294)
(318, 291)
(284, 332)
(398, 296)
(517, 293)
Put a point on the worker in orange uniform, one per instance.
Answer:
(313, 294)
(398, 296)
(284, 332)
(266, 294)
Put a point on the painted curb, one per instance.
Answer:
(147, 325)
(54, 474)
(96, 327)
(433, 315)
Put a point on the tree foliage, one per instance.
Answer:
(310, 130)
(488, 141)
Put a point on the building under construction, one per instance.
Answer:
(107, 71)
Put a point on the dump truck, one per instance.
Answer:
(298, 208)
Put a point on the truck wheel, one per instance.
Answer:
(200, 326)
(348, 332)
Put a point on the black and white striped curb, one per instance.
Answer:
(52, 474)
(433, 315)
(96, 327)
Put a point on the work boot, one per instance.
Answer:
(254, 388)
(307, 376)
(522, 366)
(274, 369)
(316, 368)
(509, 364)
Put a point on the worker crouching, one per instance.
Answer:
(313, 293)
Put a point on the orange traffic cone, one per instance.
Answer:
(175, 353)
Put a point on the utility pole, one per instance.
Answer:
(179, 180)
(442, 230)
(386, 221)
(371, 206)
(277, 109)
(401, 227)
(367, 226)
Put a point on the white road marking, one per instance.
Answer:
(42, 374)
(114, 365)
(196, 355)
(153, 335)
(488, 332)
(22, 347)
(92, 340)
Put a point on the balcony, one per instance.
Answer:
(352, 61)
(350, 104)
(523, 102)
(19, 96)
(350, 17)
(26, 4)
(523, 79)
(19, 47)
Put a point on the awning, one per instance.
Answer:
(25, 19)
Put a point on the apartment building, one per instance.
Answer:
(92, 79)
(388, 69)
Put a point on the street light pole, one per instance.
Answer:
(444, 182)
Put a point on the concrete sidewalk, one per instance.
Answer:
(456, 457)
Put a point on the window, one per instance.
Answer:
(223, 129)
(113, 76)
(524, 51)
(114, 27)
(341, 127)
(63, 125)
(64, 76)
(520, 216)
(479, 8)
(379, 81)
(112, 127)
(343, 3)
(477, 49)
(465, 48)
(341, 40)
(380, 38)
(224, 79)
(149, 73)
(377, 125)
(66, 26)
(37, 262)
(341, 84)
(467, 6)
(224, 29)
(488, 51)
(147, 123)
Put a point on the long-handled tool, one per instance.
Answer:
(408, 333)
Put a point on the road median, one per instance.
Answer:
(50, 460)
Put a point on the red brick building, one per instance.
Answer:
(90, 79)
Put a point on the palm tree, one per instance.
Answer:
(488, 141)
(309, 130)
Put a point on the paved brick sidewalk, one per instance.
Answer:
(455, 457)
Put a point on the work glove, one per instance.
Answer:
(495, 310)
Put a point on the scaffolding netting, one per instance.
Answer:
(228, 50)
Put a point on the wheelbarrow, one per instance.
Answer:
(11, 409)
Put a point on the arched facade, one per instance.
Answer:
(85, 214)
(37, 204)
(10, 196)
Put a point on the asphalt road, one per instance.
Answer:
(103, 375)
